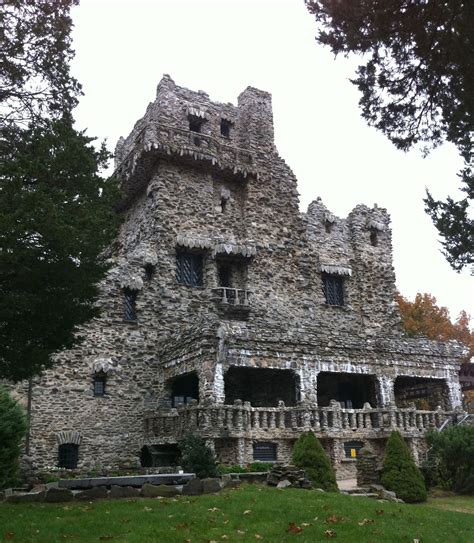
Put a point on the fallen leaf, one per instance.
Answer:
(147, 508)
(365, 521)
(416, 541)
(241, 532)
(247, 512)
(224, 536)
(181, 526)
(170, 516)
(305, 524)
(294, 529)
(9, 536)
(213, 509)
(334, 519)
(187, 541)
(258, 536)
(330, 533)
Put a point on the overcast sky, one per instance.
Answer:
(123, 47)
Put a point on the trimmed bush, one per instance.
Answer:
(12, 430)
(452, 452)
(308, 454)
(197, 457)
(400, 472)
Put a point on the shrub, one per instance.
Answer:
(196, 457)
(400, 473)
(309, 455)
(453, 453)
(12, 430)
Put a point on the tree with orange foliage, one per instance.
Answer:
(423, 317)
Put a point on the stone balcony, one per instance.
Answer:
(242, 420)
(232, 303)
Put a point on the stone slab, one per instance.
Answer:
(132, 480)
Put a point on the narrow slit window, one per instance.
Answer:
(149, 271)
(99, 383)
(374, 237)
(130, 310)
(333, 286)
(225, 128)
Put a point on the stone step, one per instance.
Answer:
(130, 480)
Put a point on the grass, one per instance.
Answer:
(249, 514)
(462, 504)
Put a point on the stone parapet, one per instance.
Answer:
(242, 420)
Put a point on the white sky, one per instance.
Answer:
(123, 47)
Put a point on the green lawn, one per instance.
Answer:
(249, 514)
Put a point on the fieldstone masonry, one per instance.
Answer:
(247, 321)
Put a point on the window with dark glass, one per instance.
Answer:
(352, 448)
(99, 383)
(333, 286)
(68, 455)
(189, 269)
(130, 310)
(195, 124)
(264, 452)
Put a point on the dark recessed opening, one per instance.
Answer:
(261, 387)
(265, 451)
(374, 237)
(351, 390)
(159, 455)
(184, 389)
(225, 128)
(424, 393)
(99, 383)
(68, 455)
(149, 271)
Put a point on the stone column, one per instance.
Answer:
(308, 385)
(386, 390)
(219, 392)
(454, 391)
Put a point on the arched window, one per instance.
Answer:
(99, 383)
(68, 455)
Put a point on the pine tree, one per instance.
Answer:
(12, 430)
(400, 473)
(308, 454)
(197, 457)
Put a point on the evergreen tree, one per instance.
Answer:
(400, 473)
(12, 431)
(56, 218)
(308, 454)
(197, 457)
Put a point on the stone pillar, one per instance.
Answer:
(454, 391)
(206, 382)
(386, 390)
(308, 385)
(366, 464)
(219, 393)
(241, 451)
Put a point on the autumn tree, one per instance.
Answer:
(417, 86)
(423, 317)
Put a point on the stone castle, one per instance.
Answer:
(229, 313)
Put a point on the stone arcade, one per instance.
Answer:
(229, 313)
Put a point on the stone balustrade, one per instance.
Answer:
(240, 419)
(233, 296)
(172, 140)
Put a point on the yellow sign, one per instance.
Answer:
(353, 453)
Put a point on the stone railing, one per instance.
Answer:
(233, 296)
(171, 140)
(241, 419)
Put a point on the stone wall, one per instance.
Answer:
(232, 200)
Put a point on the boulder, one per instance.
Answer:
(124, 492)
(158, 491)
(96, 493)
(211, 485)
(284, 484)
(193, 488)
(58, 495)
(31, 497)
